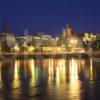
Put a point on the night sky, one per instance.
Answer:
(50, 15)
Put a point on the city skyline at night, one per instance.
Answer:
(50, 16)
(50, 50)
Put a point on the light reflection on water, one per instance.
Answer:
(49, 79)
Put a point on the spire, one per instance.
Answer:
(68, 30)
(68, 26)
(5, 26)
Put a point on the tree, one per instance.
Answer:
(96, 45)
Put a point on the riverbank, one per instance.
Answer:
(41, 55)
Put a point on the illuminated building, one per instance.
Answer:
(42, 39)
(68, 41)
(72, 40)
(89, 37)
(67, 32)
(53, 49)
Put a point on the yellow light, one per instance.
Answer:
(89, 36)
(73, 41)
(16, 48)
(44, 48)
(31, 49)
(57, 38)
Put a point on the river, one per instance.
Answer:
(50, 79)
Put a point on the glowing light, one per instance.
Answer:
(57, 38)
(16, 48)
(52, 49)
(73, 41)
(31, 49)
(89, 36)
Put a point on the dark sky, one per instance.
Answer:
(50, 15)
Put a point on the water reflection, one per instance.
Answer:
(7, 73)
(0, 77)
(33, 73)
(49, 79)
(16, 80)
(73, 70)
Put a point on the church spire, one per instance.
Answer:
(68, 26)
(5, 26)
(69, 30)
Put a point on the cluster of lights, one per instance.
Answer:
(73, 41)
(30, 49)
(50, 49)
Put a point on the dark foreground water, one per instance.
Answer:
(50, 79)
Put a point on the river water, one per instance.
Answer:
(50, 79)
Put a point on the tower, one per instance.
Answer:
(7, 39)
(5, 26)
(67, 32)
